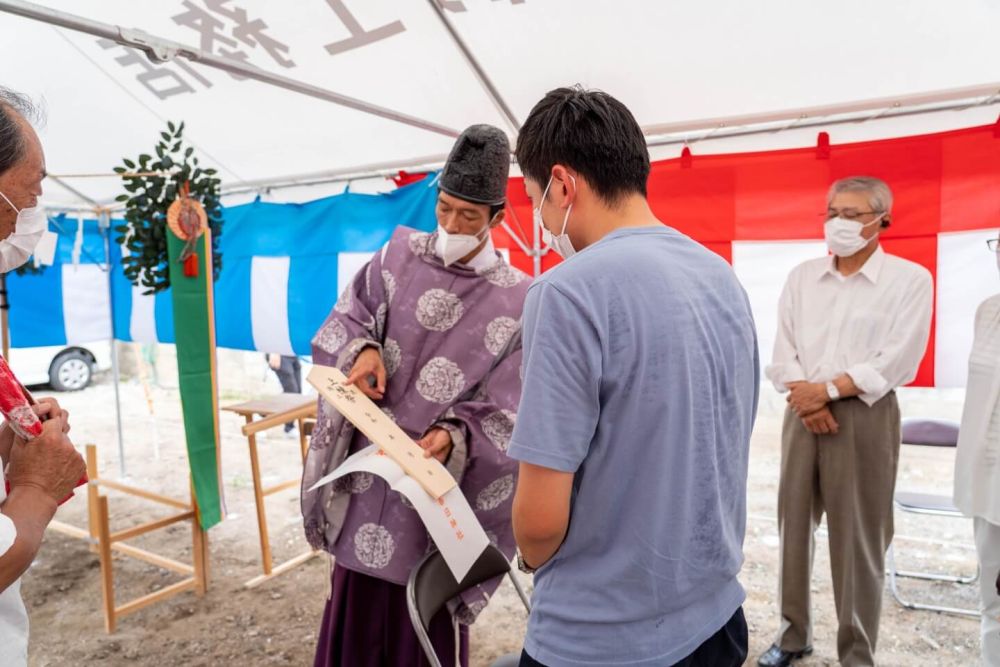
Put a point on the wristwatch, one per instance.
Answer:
(832, 391)
(522, 566)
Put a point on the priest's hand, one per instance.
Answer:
(436, 443)
(369, 367)
(821, 422)
(808, 398)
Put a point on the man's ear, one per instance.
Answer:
(563, 186)
(498, 218)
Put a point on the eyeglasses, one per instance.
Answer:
(993, 245)
(848, 214)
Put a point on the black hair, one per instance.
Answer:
(13, 143)
(590, 132)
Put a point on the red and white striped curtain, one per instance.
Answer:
(764, 213)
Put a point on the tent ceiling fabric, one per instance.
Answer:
(669, 62)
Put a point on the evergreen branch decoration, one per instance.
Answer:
(152, 183)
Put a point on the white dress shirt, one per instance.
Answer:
(977, 463)
(872, 325)
(13, 616)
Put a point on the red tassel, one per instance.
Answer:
(191, 265)
(823, 146)
(686, 159)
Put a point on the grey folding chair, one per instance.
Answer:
(432, 584)
(927, 433)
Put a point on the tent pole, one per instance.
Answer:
(69, 188)
(491, 90)
(389, 169)
(860, 110)
(104, 220)
(375, 170)
(724, 131)
(158, 49)
(433, 162)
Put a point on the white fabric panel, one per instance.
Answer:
(269, 304)
(763, 268)
(142, 323)
(966, 276)
(86, 304)
(348, 265)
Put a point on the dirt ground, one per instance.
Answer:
(276, 624)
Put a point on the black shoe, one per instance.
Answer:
(777, 657)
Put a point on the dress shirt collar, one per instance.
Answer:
(871, 270)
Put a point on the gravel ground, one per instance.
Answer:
(277, 622)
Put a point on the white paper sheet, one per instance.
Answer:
(449, 519)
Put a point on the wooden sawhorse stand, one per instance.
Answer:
(104, 542)
(274, 411)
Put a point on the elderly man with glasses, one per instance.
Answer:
(852, 327)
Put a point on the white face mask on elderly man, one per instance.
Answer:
(31, 225)
(843, 237)
(559, 242)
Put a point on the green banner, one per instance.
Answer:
(194, 332)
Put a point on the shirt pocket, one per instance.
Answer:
(861, 332)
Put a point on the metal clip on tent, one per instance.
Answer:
(157, 50)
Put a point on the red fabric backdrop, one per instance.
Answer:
(942, 182)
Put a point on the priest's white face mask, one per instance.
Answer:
(451, 248)
(31, 224)
(468, 231)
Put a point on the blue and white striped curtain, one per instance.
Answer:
(284, 266)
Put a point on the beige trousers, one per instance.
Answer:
(851, 476)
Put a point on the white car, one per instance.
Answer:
(66, 368)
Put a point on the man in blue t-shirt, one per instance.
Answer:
(633, 432)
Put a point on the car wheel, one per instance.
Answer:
(71, 371)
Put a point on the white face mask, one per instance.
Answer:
(451, 248)
(31, 224)
(843, 237)
(558, 242)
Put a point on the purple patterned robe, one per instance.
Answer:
(440, 330)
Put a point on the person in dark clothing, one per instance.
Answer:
(289, 372)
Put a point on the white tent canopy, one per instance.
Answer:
(680, 67)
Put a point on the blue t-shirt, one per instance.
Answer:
(641, 378)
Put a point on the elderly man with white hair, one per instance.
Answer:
(44, 471)
(852, 327)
